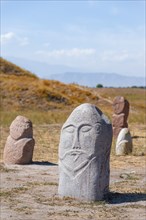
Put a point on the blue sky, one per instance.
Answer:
(102, 36)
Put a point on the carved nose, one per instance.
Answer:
(76, 147)
(76, 144)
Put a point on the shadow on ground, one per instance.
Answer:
(117, 198)
(46, 163)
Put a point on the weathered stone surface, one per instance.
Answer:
(21, 127)
(118, 122)
(20, 143)
(121, 105)
(120, 116)
(84, 152)
(124, 142)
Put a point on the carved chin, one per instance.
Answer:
(74, 163)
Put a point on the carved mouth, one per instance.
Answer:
(73, 153)
(75, 157)
(74, 162)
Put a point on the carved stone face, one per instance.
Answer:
(80, 137)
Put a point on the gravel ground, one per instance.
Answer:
(29, 192)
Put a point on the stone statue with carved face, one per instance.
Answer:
(84, 152)
(20, 143)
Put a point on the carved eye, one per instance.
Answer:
(86, 128)
(98, 128)
(69, 129)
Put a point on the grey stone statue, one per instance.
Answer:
(84, 152)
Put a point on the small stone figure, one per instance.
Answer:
(20, 143)
(84, 152)
(120, 116)
(124, 142)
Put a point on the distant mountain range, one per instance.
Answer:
(106, 79)
(68, 74)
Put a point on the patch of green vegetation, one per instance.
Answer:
(27, 210)
(49, 201)
(4, 194)
(13, 191)
(42, 184)
(128, 176)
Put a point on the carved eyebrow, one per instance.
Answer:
(67, 126)
(81, 125)
(99, 122)
(86, 124)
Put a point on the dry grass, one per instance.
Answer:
(9, 68)
(22, 90)
(26, 93)
(135, 96)
(47, 140)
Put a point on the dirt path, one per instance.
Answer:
(29, 192)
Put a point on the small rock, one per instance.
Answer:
(124, 142)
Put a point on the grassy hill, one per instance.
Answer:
(21, 89)
(24, 93)
(9, 68)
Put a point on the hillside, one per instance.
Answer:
(68, 74)
(9, 68)
(21, 89)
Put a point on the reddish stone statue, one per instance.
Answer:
(120, 116)
(20, 143)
